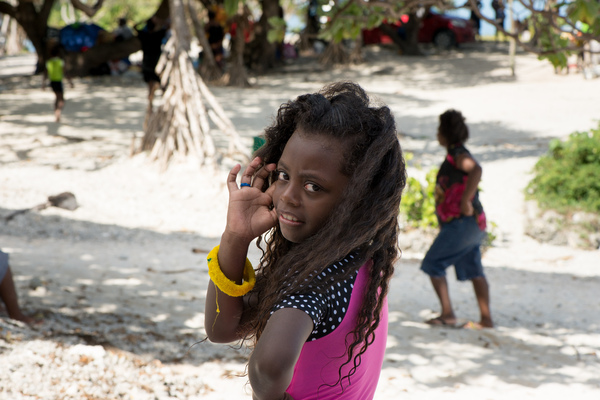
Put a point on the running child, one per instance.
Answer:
(322, 197)
(462, 223)
(55, 73)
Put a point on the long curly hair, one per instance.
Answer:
(364, 222)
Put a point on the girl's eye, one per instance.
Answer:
(311, 187)
(281, 176)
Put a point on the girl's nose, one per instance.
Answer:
(291, 195)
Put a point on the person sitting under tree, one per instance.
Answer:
(8, 293)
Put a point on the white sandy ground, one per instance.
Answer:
(122, 292)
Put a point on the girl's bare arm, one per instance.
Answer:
(468, 164)
(222, 326)
(248, 216)
(272, 363)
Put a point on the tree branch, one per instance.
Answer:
(7, 8)
(46, 9)
(87, 10)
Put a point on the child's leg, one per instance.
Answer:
(482, 292)
(447, 317)
(469, 267)
(444, 251)
(8, 294)
(58, 105)
(457, 244)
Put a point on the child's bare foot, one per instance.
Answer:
(439, 321)
(486, 323)
(26, 319)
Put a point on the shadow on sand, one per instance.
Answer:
(135, 298)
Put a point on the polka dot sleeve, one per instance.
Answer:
(326, 310)
(313, 304)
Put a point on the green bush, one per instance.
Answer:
(567, 178)
(418, 202)
(417, 207)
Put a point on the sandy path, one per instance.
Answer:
(119, 271)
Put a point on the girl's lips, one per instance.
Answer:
(289, 219)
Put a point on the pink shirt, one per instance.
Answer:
(320, 359)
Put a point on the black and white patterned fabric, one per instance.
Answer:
(327, 310)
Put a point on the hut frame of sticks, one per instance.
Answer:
(190, 117)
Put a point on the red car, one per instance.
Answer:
(442, 30)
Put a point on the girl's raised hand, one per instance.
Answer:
(250, 213)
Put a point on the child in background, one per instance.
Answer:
(55, 73)
(322, 197)
(462, 223)
(215, 35)
(151, 38)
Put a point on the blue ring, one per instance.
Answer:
(244, 185)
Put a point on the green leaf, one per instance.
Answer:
(277, 32)
(231, 7)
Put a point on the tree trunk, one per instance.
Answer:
(356, 56)
(14, 35)
(237, 75)
(412, 35)
(35, 25)
(163, 10)
(80, 64)
(410, 44)
(334, 54)
(262, 52)
(311, 31)
(6, 19)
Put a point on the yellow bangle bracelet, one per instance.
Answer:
(225, 284)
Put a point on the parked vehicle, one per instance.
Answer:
(443, 31)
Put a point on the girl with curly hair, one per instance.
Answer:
(462, 223)
(322, 199)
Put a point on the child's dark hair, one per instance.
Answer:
(453, 128)
(55, 50)
(365, 221)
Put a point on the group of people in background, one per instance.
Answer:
(499, 16)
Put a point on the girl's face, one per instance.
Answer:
(309, 184)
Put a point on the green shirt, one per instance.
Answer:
(54, 66)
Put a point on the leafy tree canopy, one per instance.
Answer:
(135, 11)
(560, 27)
